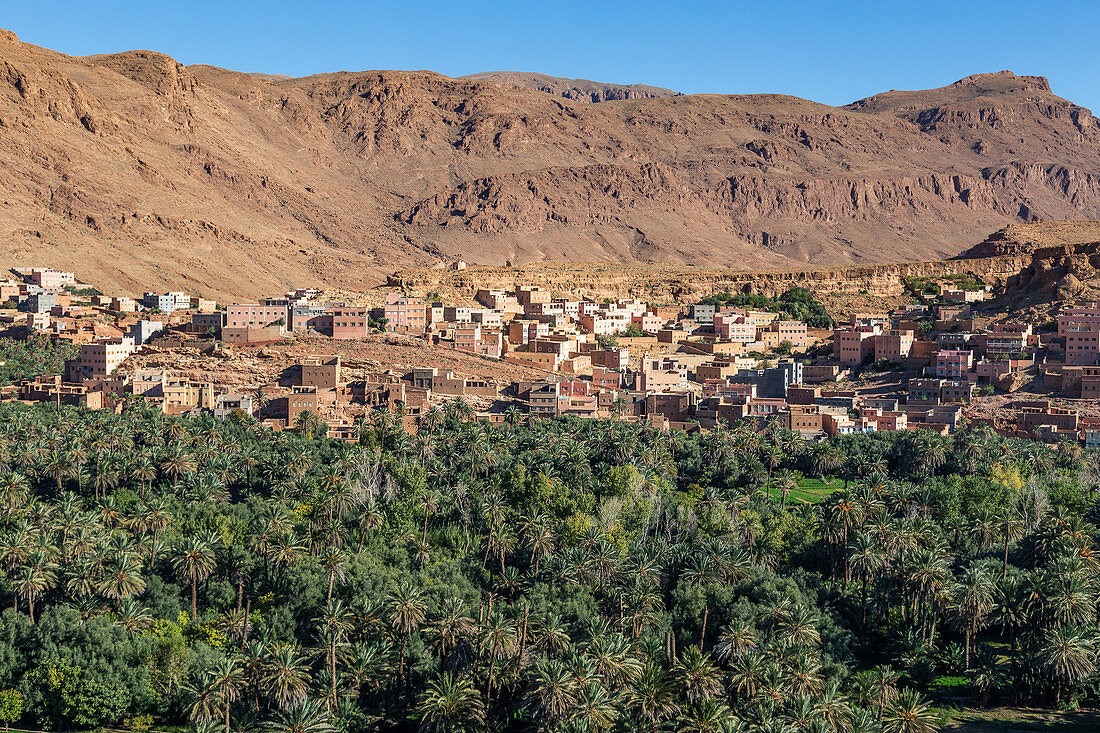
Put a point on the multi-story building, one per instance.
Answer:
(100, 358)
(1085, 315)
(321, 372)
(253, 315)
(144, 330)
(405, 314)
(38, 303)
(853, 346)
(954, 363)
(735, 327)
(349, 323)
(703, 313)
(226, 404)
(51, 279)
(661, 375)
(527, 296)
(893, 345)
(207, 322)
(1082, 342)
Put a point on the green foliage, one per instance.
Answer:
(795, 304)
(36, 356)
(11, 706)
(475, 575)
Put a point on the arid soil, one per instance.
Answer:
(255, 366)
(142, 174)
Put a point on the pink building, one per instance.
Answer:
(647, 322)
(661, 375)
(886, 420)
(1082, 343)
(735, 327)
(1086, 315)
(604, 378)
(470, 337)
(893, 345)
(853, 346)
(254, 316)
(954, 363)
(349, 323)
(52, 279)
(407, 315)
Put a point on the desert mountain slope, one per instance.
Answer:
(581, 90)
(141, 173)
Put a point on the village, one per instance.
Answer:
(935, 363)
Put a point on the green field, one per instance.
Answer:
(813, 490)
(1008, 720)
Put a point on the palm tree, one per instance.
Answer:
(973, 595)
(595, 707)
(36, 576)
(335, 623)
(227, 680)
(499, 640)
(1068, 655)
(450, 703)
(194, 560)
(709, 716)
(696, 675)
(908, 714)
(132, 616)
(1007, 524)
(552, 694)
(332, 560)
(122, 578)
(406, 610)
(306, 716)
(786, 482)
(286, 676)
(652, 697)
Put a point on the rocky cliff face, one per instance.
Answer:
(1047, 263)
(143, 174)
(578, 90)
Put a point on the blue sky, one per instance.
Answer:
(832, 52)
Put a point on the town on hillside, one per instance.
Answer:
(296, 360)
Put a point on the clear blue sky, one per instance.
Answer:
(832, 52)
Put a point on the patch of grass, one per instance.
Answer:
(813, 490)
(1016, 720)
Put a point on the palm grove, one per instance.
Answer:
(558, 575)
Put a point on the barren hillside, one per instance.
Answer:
(580, 90)
(141, 173)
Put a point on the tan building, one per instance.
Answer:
(321, 372)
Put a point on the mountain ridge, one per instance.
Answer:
(142, 173)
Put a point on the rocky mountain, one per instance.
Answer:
(141, 173)
(580, 90)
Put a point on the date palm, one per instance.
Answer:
(193, 560)
(133, 616)
(406, 610)
(34, 577)
(908, 714)
(305, 716)
(335, 624)
(122, 578)
(697, 677)
(286, 675)
(652, 697)
(450, 703)
(594, 707)
(1068, 655)
(497, 640)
